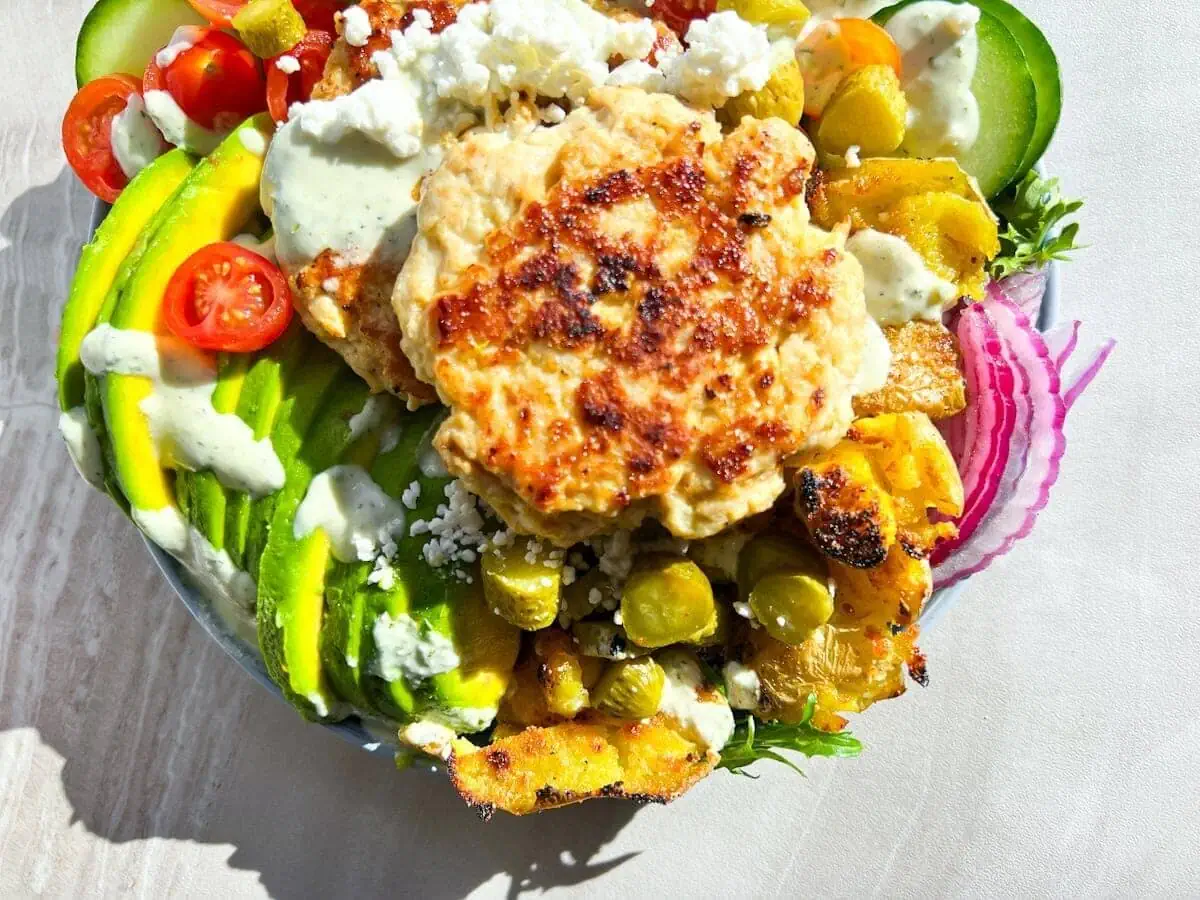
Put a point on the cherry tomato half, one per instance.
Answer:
(226, 297)
(317, 14)
(217, 82)
(678, 14)
(87, 133)
(284, 88)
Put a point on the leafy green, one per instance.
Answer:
(753, 740)
(1034, 235)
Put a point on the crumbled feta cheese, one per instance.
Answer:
(618, 619)
(456, 530)
(331, 285)
(411, 495)
(356, 26)
(383, 574)
(410, 650)
(852, 158)
(615, 552)
(742, 685)
(725, 56)
(289, 65)
(568, 575)
(700, 710)
(553, 114)
(384, 110)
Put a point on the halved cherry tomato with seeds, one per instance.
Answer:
(217, 82)
(87, 133)
(284, 88)
(833, 50)
(678, 14)
(228, 298)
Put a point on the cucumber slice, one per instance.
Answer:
(1043, 66)
(1004, 89)
(122, 35)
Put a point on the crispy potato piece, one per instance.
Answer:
(593, 756)
(847, 669)
(956, 236)
(550, 683)
(891, 593)
(868, 111)
(863, 194)
(924, 376)
(875, 489)
(847, 509)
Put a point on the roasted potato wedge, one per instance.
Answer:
(867, 111)
(875, 488)
(593, 756)
(924, 376)
(782, 96)
(887, 595)
(550, 683)
(956, 236)
(847, 668)
(862, 195)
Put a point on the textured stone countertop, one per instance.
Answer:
(1056, 751)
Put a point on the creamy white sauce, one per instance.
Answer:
(179, 408)
(353, 197)
(824, 10)
(135, 141)
(899, 286)
(212, 569)
(742, 685)
(429, 461)
(177, 128)
(377, 408)
(254, 141)
(709, 721)
(82, 445)
(288, 65)
(359, 518)
(185, 38)
(874, 366)
(939, 48)
(463, 719)
(406, 649)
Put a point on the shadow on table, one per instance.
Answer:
(162, 736)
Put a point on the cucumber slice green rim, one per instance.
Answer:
(1043, 66)
(122, 35)
(1007, 97)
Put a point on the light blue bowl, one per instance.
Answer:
(244, 651)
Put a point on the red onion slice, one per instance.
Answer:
(1026, 290)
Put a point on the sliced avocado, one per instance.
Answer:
(291, 589)
(303, 398)
(101, 259)
(213, 203)
(201, 496)
(435, 598)
(347, 592)
(258, 404)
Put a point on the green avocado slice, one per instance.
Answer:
(100, 263)
(303, 396)
(213, 204)
(291, 588)
(349, 599)
(436, 599)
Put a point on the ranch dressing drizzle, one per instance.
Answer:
(939, 49)
(899, 286)
(353, 197)
(356, 515)
(179, 407)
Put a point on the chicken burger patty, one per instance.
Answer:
(629, 315)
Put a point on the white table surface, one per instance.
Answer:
(1055, 753)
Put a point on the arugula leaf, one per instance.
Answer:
(753, 740)
(1033, 233)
